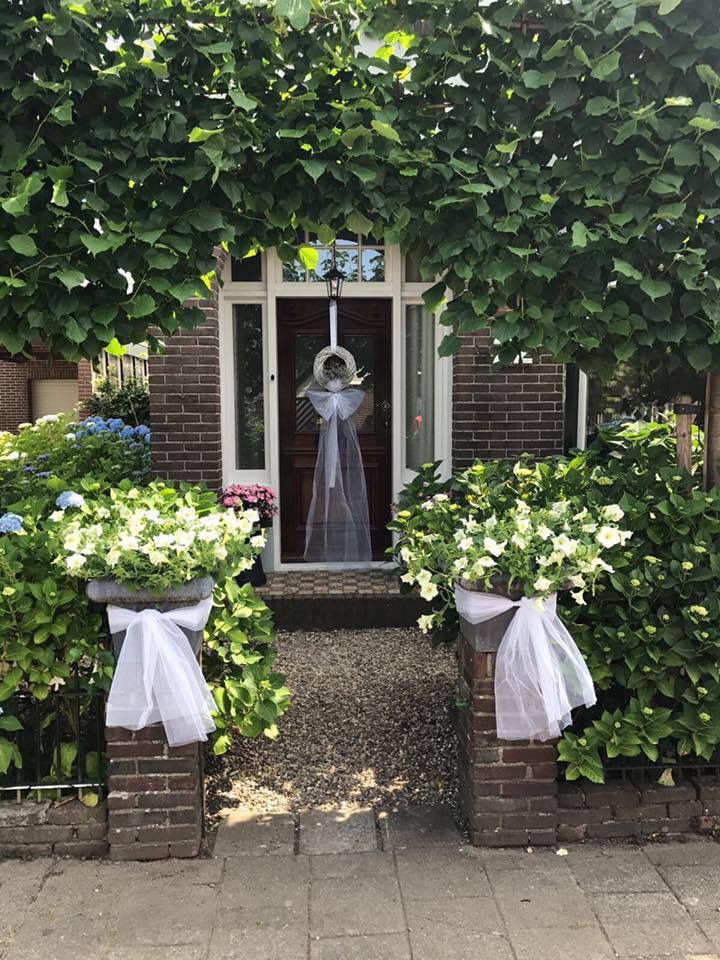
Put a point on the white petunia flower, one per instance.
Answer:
(493, 547)
(407, 578)
(75, 561)
(428, 591)
(544, 532)
(613, 512)
(608, 537)
(426, 622)
(565, 545)
(542, 585)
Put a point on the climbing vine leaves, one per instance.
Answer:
(557, 164)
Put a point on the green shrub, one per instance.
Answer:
(650, 630)
(130, 402)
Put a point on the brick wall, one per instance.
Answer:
(154, 796)
(504, 411)
(66, 828)
(14, 395)
(185, 402)
(615, 810)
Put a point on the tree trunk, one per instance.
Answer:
(712, 429)
(683, 435)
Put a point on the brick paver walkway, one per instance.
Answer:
(350, 887)
(331, 583)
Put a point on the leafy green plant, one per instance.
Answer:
(649, 629)
(130, 402)
(238, 663)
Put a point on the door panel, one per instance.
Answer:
(364, 329)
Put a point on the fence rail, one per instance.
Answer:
(61, 742)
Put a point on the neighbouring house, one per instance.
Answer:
(229, 404)
(34, 388)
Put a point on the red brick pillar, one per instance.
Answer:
(508, 790)
(14, 395)
(155, 796)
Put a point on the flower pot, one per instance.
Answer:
(110, 591)
(487, 636)
(255, 576)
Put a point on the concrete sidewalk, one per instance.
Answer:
(351, 887)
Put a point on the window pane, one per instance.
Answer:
(249, 387)
(246, 270)
(294, 272)
(362, 347)
(419, 387)
(307, 346)
(346, 259)
(373, 266)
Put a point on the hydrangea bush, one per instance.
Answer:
(153, 537)
(649, 628)
(61, 479)
(253, 496)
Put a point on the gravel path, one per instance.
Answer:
(371, 723)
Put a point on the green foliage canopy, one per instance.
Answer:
(559, 161)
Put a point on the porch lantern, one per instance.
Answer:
(334, 280)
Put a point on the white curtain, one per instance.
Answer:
(338, 526)
(540, 674)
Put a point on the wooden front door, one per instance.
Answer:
(364, 329)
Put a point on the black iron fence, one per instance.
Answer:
(670, 771)
(61, 743)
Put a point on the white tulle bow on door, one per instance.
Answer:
(540, 675)
(338, 525)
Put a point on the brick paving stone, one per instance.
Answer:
(697, 888)
(615, 870)
(441, 872)
(355, 907)
(231, 941)
(534, 907)
(457, 929)
(390, 946)
(311, 583)
(588, 943)
(643, 924)
(418, 826)
(338, 831)
(243, 834)
(260, 885)
(351, 865)
(19, 885)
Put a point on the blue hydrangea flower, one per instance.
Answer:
(127, 433)
(11, 523)
(42, 457)
(142, 430)
(116, 424)
(69, 499)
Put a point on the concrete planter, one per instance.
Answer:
(486, 637)
(110, 591)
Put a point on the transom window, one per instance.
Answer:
(360, 259)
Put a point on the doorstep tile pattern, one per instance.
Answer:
(428, 900)
(331, 583)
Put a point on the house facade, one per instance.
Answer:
(229, 404)
(32, 388)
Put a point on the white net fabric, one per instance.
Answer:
(338, 526)
(157, 677)
(540, 675)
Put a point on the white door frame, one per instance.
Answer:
(266, 293)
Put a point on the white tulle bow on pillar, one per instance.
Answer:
(540, 674)
(157, 677)
(338, 526)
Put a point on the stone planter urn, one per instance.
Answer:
(486, 637)
(109, 591)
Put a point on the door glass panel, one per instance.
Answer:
(362, 347)
(249, 387)
(307, 346)
(419, 387)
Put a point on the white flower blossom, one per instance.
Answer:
(608, 537)
(426, 622)
(493, 547)
(613, 512)
(542, 585)
(74, 562)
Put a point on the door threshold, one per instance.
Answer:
(388, 565)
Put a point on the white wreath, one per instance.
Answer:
(345, 375)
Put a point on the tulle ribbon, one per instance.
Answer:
(157, 677)
(540, 675)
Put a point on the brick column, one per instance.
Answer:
(14, 395)
(155, 796)
(508, 790)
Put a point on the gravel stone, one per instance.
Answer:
(372, 723)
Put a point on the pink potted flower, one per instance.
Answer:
(252, 496)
